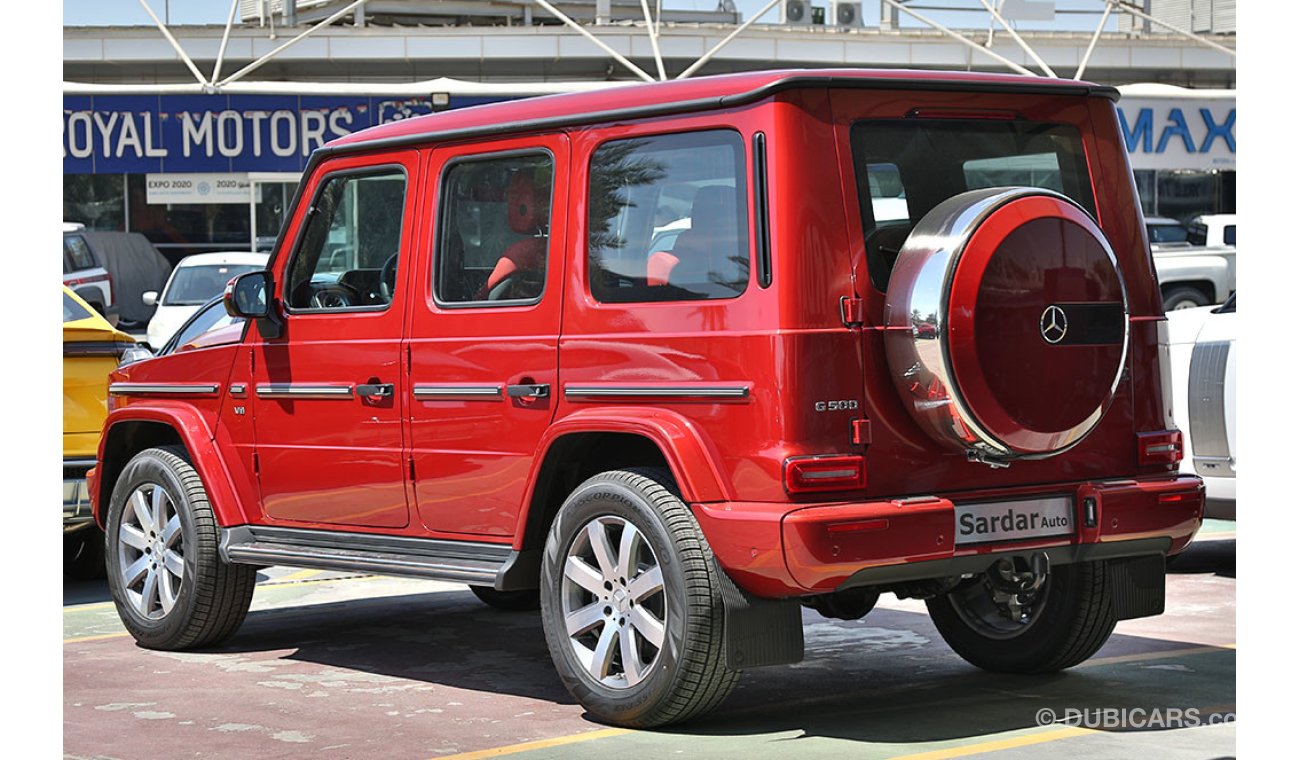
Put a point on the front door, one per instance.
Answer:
(327, 395)
(484, 329)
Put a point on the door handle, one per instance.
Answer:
(528, 391)
(375, 390)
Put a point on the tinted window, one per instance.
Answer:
(72, 311)
(1230, 234)
(1166, 233)
(208, 318)
(78, 252)
(645, 188)
(495, 216)
(349, 251)
(1197, 233)
(906, 167)
(191, 286)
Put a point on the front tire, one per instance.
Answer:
(1070, 620)
(631, 603)
(169, 583)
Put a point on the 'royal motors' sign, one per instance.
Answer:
(144, 134)
(1167, 133)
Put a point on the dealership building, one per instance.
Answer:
(196, 136)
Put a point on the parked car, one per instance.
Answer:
(196, 280)
(206, 326)
(1203, 355)
(460, 365)
(91, 349)
(85, 274)
(135, 266)
(1163, 233)
(1195, 276)
(1213, 230)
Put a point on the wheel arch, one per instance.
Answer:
(585, 444)
(129, 431)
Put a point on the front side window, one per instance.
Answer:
(348, 256)
(667, 218)
(494, 230)
(905, 167)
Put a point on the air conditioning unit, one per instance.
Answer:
(846, 13)
(796, 12)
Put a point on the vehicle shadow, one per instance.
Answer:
(886, 678)
(1217, 556)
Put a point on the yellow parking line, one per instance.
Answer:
(98, 637)
(1163, 654)
(558, 741)
(1041, 737)
(297, 576)
(84, 607)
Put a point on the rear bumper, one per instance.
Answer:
(781, 550)
(76, 496)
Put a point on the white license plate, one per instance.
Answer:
(1014, 520)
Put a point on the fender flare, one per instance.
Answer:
(197, 437)
(1173, 269)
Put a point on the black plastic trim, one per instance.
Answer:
(762, 233)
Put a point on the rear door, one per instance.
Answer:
(326, 395)
(484, 329)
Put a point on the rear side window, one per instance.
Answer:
(349, 252)
(667, 218)
(72, 311)
(1198, 233)
(495, 216)
(79, 255)
(906, 167)
(1230, 234)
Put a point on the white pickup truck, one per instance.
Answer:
(1204, 271)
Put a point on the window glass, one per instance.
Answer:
(210, 317)
(191, 286)
(495, 216)
(95, 200)
(932, 160)
(667, 218)
(79, 254)
(1198, 233)
(349, 251)
(72, 311)
(1162, 232)
(1230, 234)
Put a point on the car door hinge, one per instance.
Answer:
(257, 465)
(408, 358)
(410, 462)
(851, 311)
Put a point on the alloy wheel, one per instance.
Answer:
(151, 561)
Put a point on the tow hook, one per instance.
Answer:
(1016, 581)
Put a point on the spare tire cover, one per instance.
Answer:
(1007, 323)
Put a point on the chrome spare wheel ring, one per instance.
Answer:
(151, 558)
(613, 602)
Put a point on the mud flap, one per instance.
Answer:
(1137, 586)
(759, 631)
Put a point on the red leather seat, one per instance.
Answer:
(526, 214)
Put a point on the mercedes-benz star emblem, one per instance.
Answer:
(1053, 324)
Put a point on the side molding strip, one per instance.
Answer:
(164, 389)
(659, 392)
(291, 390)
(457, 392)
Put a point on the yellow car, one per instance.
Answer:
(91, 349)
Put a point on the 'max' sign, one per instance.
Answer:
(131, 134)
(1179, 134)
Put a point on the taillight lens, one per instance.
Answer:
(1160, 447)
(825, 473)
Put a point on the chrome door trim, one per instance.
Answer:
(452, 392)
(164, 389)
(305, 391)
(238, 390)
(658, 392)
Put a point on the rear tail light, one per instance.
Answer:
(825, 473)
(1160, 447)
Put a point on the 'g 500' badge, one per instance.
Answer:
(836, 406)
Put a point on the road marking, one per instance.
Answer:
(1040, 737)
(300, 575)
(98, 637)
(1224, 534)
(558, 741)
(1160, 655)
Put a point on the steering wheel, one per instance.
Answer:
(331, 297)
(388, 278)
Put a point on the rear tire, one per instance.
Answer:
(514, 601)
(170, 585)
(1184, 298)
(626, 558)
(1070, 622)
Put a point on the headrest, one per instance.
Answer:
(714, 211)
(524, 213)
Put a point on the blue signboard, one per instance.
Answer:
(142, 134)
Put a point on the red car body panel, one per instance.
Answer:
(468, 469)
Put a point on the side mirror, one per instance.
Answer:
(246, 295)
(150, 297)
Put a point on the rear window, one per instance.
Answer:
(1230, 234)
(72, 311)
(1166, 233)
(1198, 233)
(192, 286)
(667, 218)
(906, 167)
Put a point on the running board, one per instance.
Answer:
(475, 563)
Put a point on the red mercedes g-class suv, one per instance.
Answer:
(668, 360)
